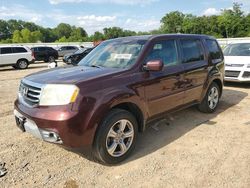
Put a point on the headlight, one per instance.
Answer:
(58, 94)
(248, 66)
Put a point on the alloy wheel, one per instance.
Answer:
(120, 138)
(213, 97)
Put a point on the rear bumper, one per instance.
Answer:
(237, 74)
(59, 122)
(32, 61)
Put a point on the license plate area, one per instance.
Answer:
(27, 125)
(20, 121)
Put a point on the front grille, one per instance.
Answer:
(234, 65)
(246, 75)
(234, 74)
(30, 93)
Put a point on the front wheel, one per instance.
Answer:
(211, 100)
(115, 138)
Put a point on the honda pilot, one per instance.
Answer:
(118, 89)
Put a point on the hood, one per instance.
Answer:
(69, 74)
(237, 59)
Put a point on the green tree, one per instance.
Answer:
(4, 30)
(63, 30)
(113, 32)
(48, 35)
(77, 34)
(17, 37)
(98, 36)
(62, 39)
(26, 35)
(36, 36)
(15, 25)
(231, 21)
(172, 22)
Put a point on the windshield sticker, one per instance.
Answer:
(122, 56)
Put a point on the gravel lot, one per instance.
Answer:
(187, 149)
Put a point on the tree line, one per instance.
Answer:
(230, 23)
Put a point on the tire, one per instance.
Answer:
(22, 64)
(110, 145)
(211, 100)
(51, 59)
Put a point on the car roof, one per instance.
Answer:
(152, 37)
(12, 46)
(68, 46)
(240, 42)
(41, 47)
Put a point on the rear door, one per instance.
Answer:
(195, 66)
(163, 89)
(7, 57)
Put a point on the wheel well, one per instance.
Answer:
(135, 110)
(22, 59)
(219, 83)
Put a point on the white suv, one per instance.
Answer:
(18, 56)
(237, 62)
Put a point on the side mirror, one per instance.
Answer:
(155, 65)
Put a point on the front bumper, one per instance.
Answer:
(29, 126)
(237, 74)
(58, 124)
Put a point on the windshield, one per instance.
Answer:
(242, 49)
(114, 54)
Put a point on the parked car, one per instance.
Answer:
(237, 62)
(17, 56)
(45, 53)
(120, 87)
(62, 51)
(77, 56)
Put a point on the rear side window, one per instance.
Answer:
(192, 50)
(214, 49)
(19, 50)
(6, 50)
(165, 51)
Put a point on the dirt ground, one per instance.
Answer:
(194, 150)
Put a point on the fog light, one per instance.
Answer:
(50, 136)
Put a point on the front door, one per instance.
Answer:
(164, 90)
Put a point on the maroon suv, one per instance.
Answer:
(119, 88)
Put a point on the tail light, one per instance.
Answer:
(32, 54)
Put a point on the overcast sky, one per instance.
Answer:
(93, 15)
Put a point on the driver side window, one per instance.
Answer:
(166, 51)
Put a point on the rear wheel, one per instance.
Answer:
(51, 59)
(211, 100)
(115, 138)
(22, 64)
